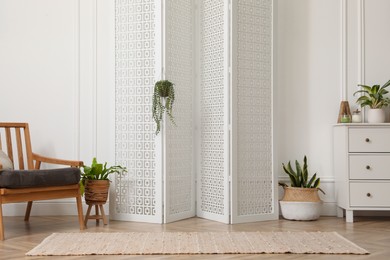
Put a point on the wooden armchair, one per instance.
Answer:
(27, 183)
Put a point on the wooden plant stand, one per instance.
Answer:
(98, 215)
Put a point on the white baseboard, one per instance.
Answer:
(63, 208)
(329, 209)
(47, 208)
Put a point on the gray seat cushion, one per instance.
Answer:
(14, 179)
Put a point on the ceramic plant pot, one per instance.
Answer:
(375, 116)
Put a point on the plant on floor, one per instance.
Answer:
(300, 201)
(98, 171)
(300, 177)
(373, 96)
(163, 99)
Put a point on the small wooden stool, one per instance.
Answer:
(97, 216)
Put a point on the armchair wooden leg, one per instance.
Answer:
(1, 223)
(80, 212)
(28, 211)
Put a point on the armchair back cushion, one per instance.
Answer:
(5, 161)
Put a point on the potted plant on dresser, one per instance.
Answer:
(94, 184)
(301, 201)
(374, 98)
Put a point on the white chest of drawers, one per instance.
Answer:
(361, 159)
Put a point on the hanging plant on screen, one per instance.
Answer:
(163, 99)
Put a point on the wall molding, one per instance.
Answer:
(361, 47)
(77, 82)
(344, 54)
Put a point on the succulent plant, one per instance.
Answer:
(300, 177)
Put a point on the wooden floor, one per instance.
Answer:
(371, 233)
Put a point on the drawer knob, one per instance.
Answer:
(368, 194)
(367, 140)
(368, 167)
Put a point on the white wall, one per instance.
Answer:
(319, 61)
(307, 84)
(55, 74)
(39, 72)
(367, 36)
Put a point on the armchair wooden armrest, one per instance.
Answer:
(40, 159)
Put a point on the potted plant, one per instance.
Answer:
(301, 200)
(163, 99)
(374, 98)
(94, 182)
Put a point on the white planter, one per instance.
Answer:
(376, 116)
(299, 210)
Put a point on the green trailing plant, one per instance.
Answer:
(300, 176)
(373, 96)
(98, 171)
(163, 90)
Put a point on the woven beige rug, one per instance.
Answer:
(167, 243)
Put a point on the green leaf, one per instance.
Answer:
(386, 84)
(316, 183)
(375, 89)
(360, 91)
(311, 180)
(299, 173)
(291, 174)
(305, 175)
(366, 88)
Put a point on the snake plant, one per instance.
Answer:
(300, 176)
(163, 91)
(373, 96)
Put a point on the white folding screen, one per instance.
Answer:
(236, 181)
(213, 178)
(136, 195)
(253, 183)
(218, 53)
(178, 155)
(154, 41)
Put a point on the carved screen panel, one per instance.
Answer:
(179, 64)
(137, 194)
(253, 181)
(213, 187)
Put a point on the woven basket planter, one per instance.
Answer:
(301, 203)
(96, 191)
(301, 194)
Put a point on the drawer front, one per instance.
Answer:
(369, 194)
(368, 140)
(369, 167)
